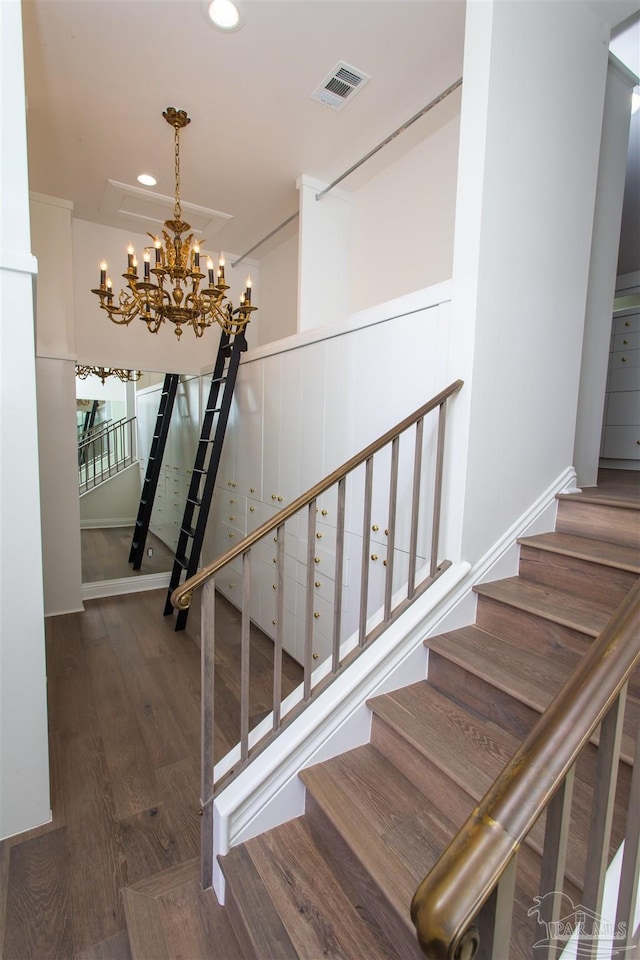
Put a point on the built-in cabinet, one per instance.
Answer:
(298, 413)
(621, 433)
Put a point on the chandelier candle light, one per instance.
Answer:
(176, 264)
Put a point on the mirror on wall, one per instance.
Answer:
(115, 422)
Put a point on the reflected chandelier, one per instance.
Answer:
(82, 372)
(176, 294)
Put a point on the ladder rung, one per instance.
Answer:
(190, 532)
(196, 501)
(198, 470)
(213, 409)
(182, 562)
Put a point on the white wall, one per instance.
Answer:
(51, 239)
(534, 81)
(114, 503)
(58, 451)
(24, 763)
(322, 255)
(277, 316)
(401, 221)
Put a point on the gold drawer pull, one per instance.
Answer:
(315, 656)
(230, 535)
(317, 615)
(280, 499)
(252, 489)
(316, 559)
(374, 556)
(318, 536)
(375, 528)
(252, 509)
(318, 584)
(324, 513)
(274, 496)
(231, 518)
(624, 359)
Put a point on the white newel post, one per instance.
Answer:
(322, 255)
(24, 765)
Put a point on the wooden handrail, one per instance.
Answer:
(462, 880)
(182, 595)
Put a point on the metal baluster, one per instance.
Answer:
(630, 872)
(604, 794)
(308, 618)
(277, 649)
(337, 601)
(554, 858)
(391, 527)
(437, 491)
(493, 923)
(366, 542)
(245, 656)
(415, 508)
(207, 727)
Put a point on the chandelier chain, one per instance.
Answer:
(178, 209)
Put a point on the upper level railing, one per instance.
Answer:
(412, 564)
(463, 907)
(105, 452)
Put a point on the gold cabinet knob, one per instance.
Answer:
(627, 323)
(280, 499)
(315, 656)
(374, 556)
(386, 533)
(273, 622)
(231, 500)
(275, 539)
(384, 562)
(316, 615)
(252, 509)
(316, 559)
(318, 584)
(230, 535)
(625, 343)
(324, 513)
(231, 586)
(273, 586)
(274, 560)
(624, 359)
(318, 536)
(375, 528)
(231, 518)
(252, 489)
(274, 496)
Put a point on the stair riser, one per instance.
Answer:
(506, 711)
(355, 878)
(593, 581)
(598, 521)
(435, 784)
(524, 629)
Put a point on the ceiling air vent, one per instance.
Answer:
(340, 86)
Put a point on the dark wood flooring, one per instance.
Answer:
(124, 724)
(105, 551)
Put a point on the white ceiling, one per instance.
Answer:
(99, 73)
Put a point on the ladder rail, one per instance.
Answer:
(154, 466)
(207, 462)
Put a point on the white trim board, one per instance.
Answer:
(133, 584)
(107, 522)
(269, 792)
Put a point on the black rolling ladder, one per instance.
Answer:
(205, 469)
(154, 466)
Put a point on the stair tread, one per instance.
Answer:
(624, 500)
(472, 751)
(584, 548)
(529, 677)
(569, 610)
(396, 833)
(169, 915)
(301, 885)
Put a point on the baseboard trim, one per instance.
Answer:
(135, 584)
(107, 523)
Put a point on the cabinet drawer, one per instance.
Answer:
(629, 323)
(626, 341)
(630, 358)
(621, 443)
(623, 408)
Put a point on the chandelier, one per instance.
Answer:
(82, 372)
(175, 292)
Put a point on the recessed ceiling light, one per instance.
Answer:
(224, 14)
(147, 180)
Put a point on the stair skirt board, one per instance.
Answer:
(269, 792)
(116, 588)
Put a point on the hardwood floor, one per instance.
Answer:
(124, 731)
(105, 551)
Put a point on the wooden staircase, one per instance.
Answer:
(338, 881)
